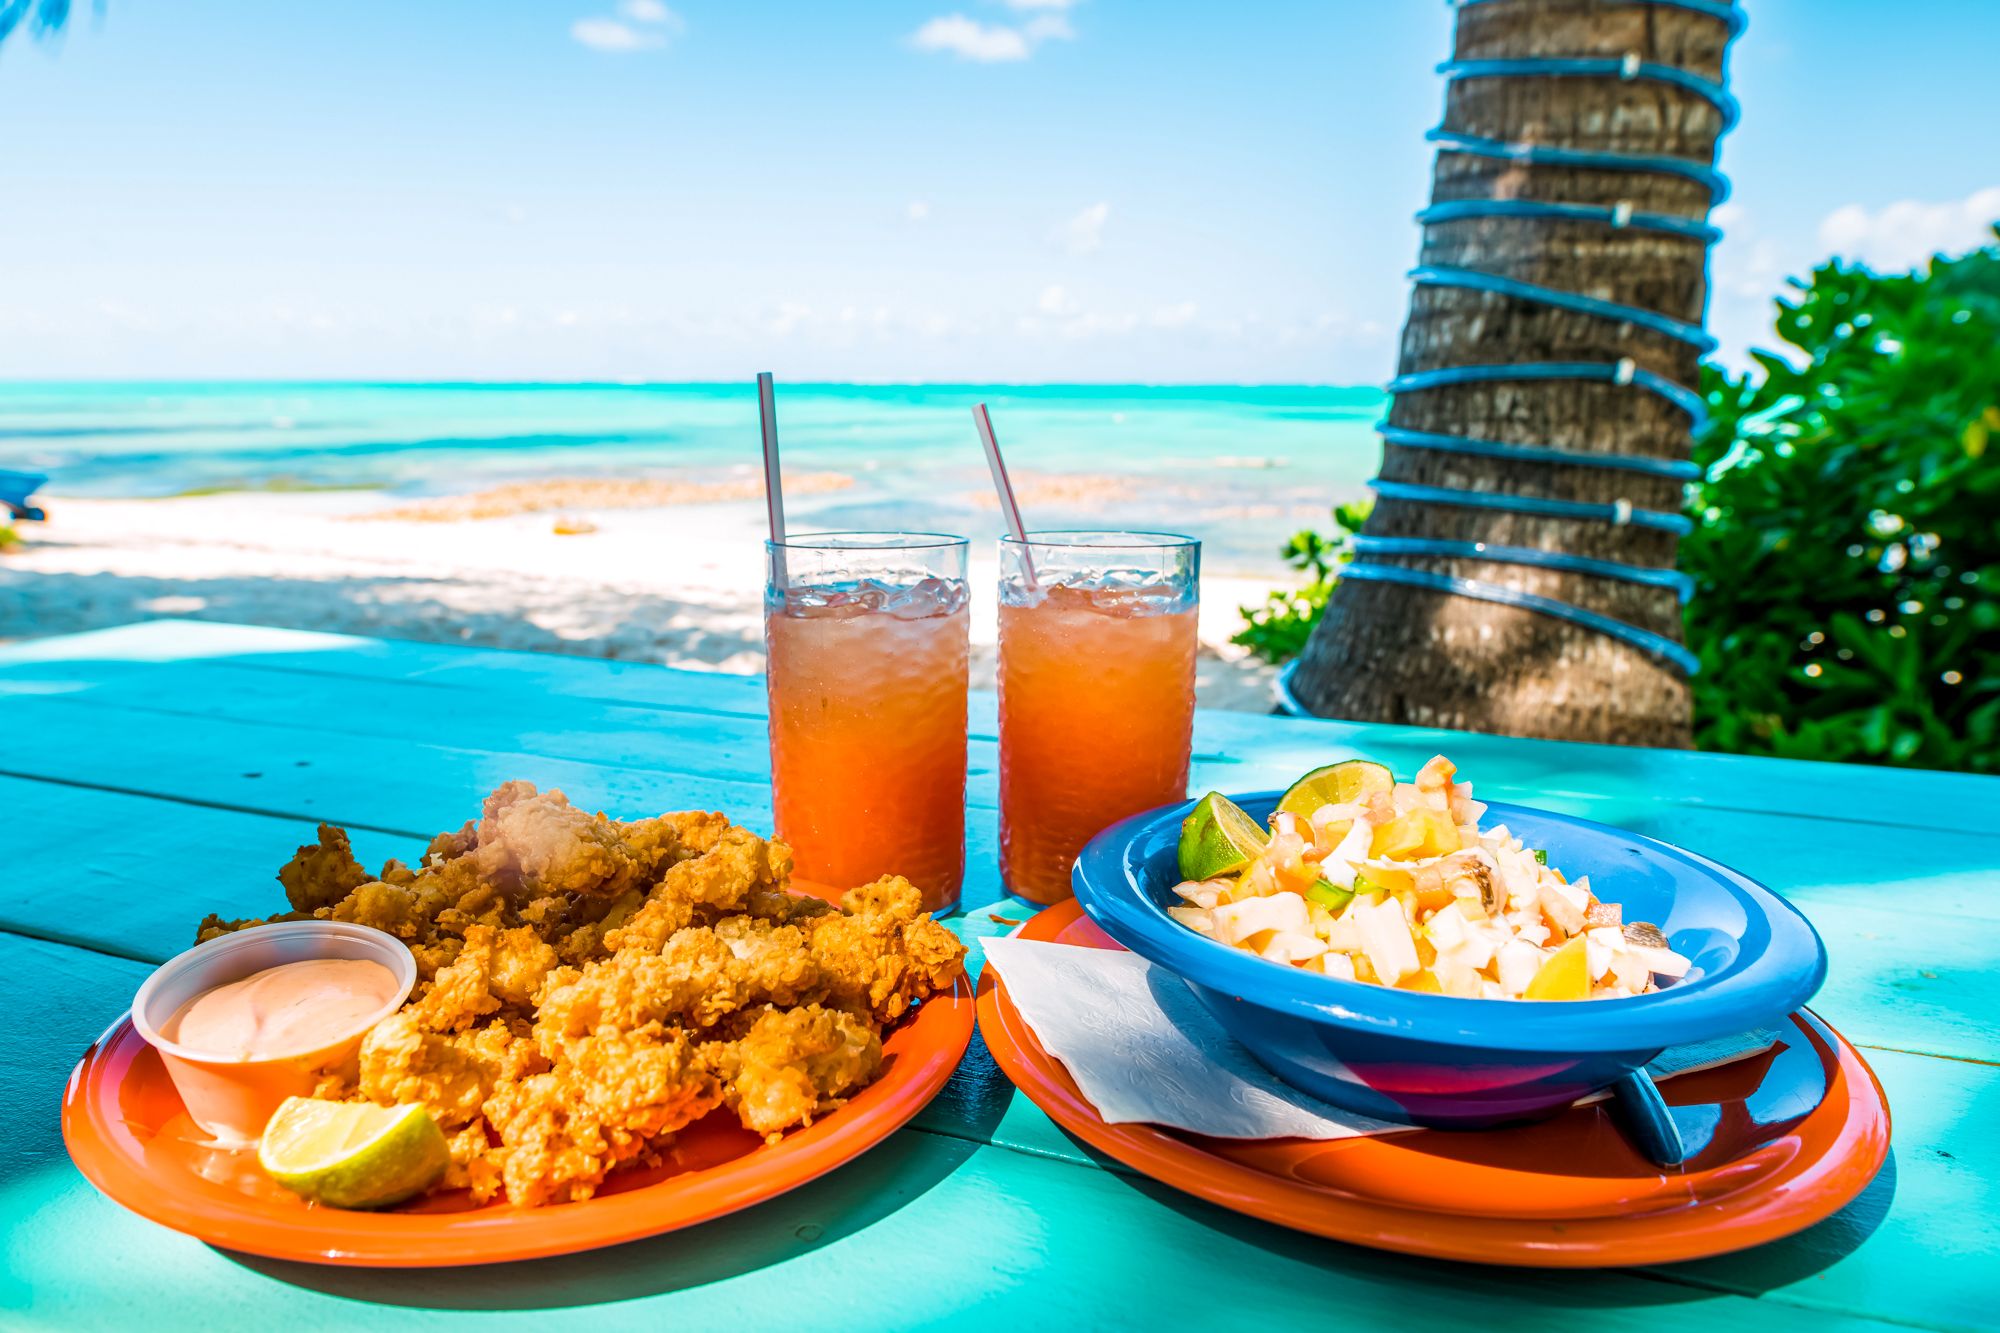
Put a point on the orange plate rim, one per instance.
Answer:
(1842, 1144)
(927, 1047)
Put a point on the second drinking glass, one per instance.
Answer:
(1097, 650)
(867, 635)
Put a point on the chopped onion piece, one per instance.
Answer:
(1517, 963)
(1662, 962)
(1385, 939)
(1291, 947)
(1241, 921)
(1337, 965)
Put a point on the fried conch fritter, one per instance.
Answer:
(589, 986)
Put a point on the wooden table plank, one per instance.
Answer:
(123, 884)
(163, 865)
(734, 746)
(1789, 852)
(384, 784)
(674, 741)
(1798, 851)
(1903, 976)
(1933, 1201)
(844, 1252)
(1920, 1243)
(1905, 973)
(131, 875)
(1910, 983)
(1898, 796)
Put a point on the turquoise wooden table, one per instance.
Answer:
(153, 773)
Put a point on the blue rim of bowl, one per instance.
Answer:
(1760, 989)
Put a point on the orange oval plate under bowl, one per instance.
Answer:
(127, 1132)
(1792, 1137)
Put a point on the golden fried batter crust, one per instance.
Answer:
(790, 1065)
(589, 986)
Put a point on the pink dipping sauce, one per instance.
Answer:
(287, 1010)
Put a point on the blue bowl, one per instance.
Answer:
(1443, 1061)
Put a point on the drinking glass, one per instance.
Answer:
(1097, 649)
(867, 638)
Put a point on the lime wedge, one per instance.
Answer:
(1336, 784)
(1330, 896)
(1217, 838)
(353, 1154)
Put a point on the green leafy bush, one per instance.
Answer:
(1847, 554)
(1277, 631)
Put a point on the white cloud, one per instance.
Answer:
(1059, 314)
(651, 11)
(655, 23)
(129, 316)
(969, 39)
(789, 316)
(918, 211)
(1084, 232)
(611, 35)
(1747, 270)
(1748, 266)
(1907, 233)
(991, 43)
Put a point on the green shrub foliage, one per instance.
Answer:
(1847, 554)
(1277, 631)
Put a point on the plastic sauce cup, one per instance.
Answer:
(232, 1098)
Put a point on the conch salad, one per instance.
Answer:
(1369, 879)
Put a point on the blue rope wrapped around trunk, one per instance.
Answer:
(1622, 372)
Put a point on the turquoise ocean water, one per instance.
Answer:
(1240, 467)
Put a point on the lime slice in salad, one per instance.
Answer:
(1217, 838)
(353, 1154)
(1336, 784)
(1330, 896)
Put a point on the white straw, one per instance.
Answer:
(774, 488)
(1009, 507)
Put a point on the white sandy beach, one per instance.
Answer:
(680, 584)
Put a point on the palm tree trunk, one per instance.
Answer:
(1391, 652)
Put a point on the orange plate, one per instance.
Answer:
(128, 1134)
(1796, 1135)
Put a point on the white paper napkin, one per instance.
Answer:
(1144, 1050)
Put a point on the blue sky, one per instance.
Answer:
(1142, 190)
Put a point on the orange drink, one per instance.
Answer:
(1097, 648)
(867, 639)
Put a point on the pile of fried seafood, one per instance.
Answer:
(588, 986)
